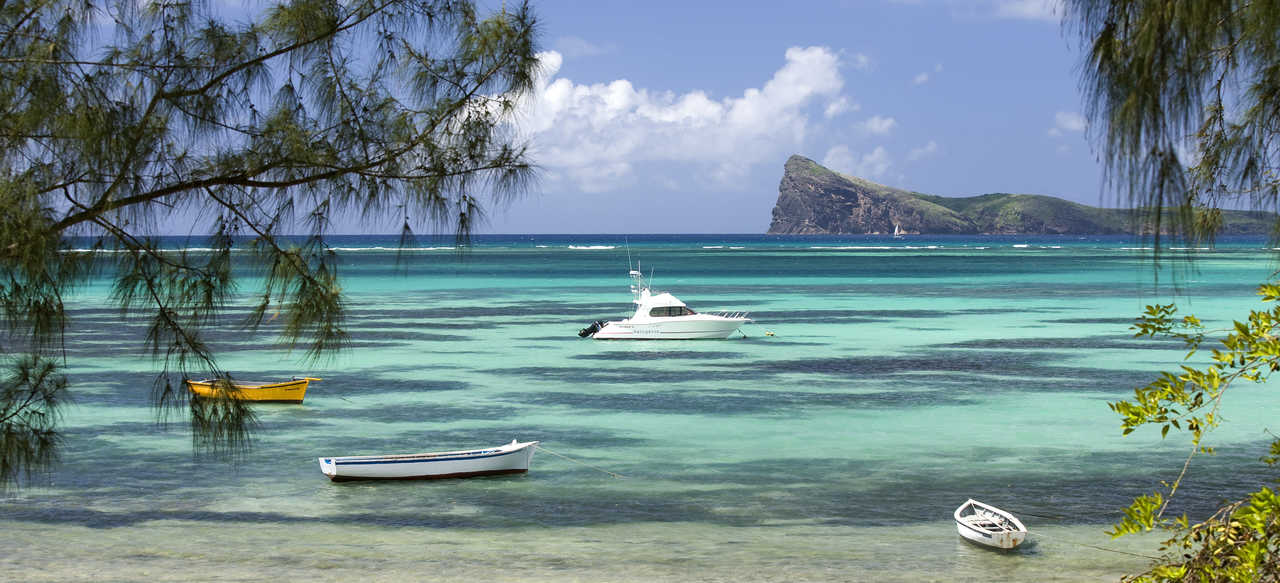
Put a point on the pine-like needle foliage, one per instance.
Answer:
(1185, 100)
(116, 117)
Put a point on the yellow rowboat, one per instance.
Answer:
(290, 391)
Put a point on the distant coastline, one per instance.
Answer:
(814, 200)
(619, 242)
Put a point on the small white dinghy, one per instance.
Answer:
(512, 458)
(989, 526)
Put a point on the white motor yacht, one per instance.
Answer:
(660, 316)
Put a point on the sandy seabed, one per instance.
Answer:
(199, 551)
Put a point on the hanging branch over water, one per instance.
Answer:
(1185, 100)
(315, 112)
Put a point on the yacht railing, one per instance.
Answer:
(732, 315)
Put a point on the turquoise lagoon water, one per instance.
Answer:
(902, 376)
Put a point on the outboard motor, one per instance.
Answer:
(592, 329)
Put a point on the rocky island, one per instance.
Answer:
(813, 200)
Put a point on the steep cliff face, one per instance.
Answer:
(813, 200)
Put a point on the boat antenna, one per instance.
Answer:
(626, 241)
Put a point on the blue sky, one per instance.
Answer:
(677, 117)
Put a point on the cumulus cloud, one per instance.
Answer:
(840, 106)
(878, 125)
(840, 159)
(873, 164)
(572, 46)
(1067, 121)
(1042, 10)
(595, 135)
(924, 151)
(923, 77)
(861, 62)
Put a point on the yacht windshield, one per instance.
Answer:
(668, 311)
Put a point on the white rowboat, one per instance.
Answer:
(989, 526)
(512, 458)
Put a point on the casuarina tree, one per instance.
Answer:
(120, 120)
(1184, 97)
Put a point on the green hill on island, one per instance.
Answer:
(815, 200)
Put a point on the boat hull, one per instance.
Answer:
(512, 458)
(1003, 540)
(686, 328)
(286, 392)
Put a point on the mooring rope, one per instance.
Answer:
(597, 468)
(1096, 547)
(1042, 535)
(1046, 516)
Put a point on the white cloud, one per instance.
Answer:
(840, 159)
(1188, 151)
(924, 151)
(595, 135)
(923, 77)
(861, 62)
(873, 164)
(878, 125)
(572, 46)
(1071, 121)
(1042, 10)
(1067, 121)
(840, 106)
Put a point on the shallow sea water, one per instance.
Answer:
(902, 377)
(681, 551)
